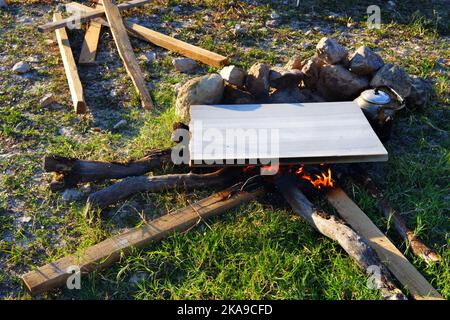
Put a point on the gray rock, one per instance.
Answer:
(234, 95)
(120, 124)
(274, 15)
(311, 96)
(233, 75)
(287, 95)
(184, 64)
(207, 89)
(311, 71)
(71, 195)
(295, 62)
(257, 81)
(47, 100)
(421, 93)
(148, 56)
(238, 30)
(365, 62)
(21, 67)
(394, 77)
(280, 78)
(337, 83)
(330, 51)
(272, 23)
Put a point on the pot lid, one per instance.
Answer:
(376, 96)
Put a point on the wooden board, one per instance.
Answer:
(178, 46)
(126, 52)
(164, 41)
(97, 13)
(331, 132)
(105, 253)
(90, 43)
(395, 261)
(75, 86)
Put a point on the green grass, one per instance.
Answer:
(257, 251)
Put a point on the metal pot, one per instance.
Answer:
(379, 107)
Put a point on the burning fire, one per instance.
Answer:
(323, 180)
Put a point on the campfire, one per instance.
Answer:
(331, 75)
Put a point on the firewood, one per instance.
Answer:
(336, 229)
(105, 253)
(126, 52)
(73, 79)
(90, 43)
(162, 40)
(132, 185)
(396, 262)
(418, 248)
(74, 171)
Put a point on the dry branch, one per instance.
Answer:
(75, 171)
(337, 230)
(418, 248)
(107, 252)
(132, 185)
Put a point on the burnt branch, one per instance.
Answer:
(74, 171)
(133, 185)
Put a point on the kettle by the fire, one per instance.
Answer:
(379, 106)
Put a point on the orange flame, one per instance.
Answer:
(318, 181)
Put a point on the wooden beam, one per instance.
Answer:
(126, 52)
(164, 41)
(75, 86)
(84, 17)
(395, 261)
(178, 46)
(107, 252)
(90, 43)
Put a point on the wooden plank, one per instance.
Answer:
(84, 17)
(90, 43)
(91, 40)
(107, 252)
(178, 46)
(333, 132)
(166, 42)
(126, 52)
(396, 262)
(75, 86)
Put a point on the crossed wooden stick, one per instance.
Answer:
(120, 30)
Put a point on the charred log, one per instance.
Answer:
(72, 171)
(133, 185)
